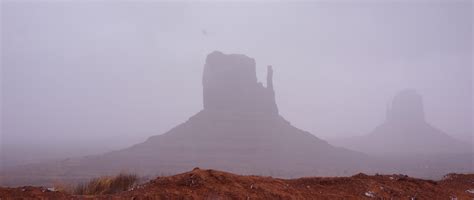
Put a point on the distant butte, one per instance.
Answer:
(239, 130)
(406, 132)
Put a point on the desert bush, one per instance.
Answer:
(107, 185)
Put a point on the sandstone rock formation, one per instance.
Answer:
(239, 130)
(406, 132)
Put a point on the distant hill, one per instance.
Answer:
(405, 132)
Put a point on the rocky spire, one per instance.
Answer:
(270, 77)
(271, 91)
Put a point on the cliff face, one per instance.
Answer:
(230, 85)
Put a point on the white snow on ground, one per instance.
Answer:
(370, 194)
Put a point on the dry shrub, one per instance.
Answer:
(107, 185)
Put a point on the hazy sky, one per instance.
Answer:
(90, 76)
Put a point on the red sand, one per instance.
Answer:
(211, 184)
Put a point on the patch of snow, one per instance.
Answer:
(370, 194)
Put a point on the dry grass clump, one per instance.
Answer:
(107, 185)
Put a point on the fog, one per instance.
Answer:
(88, 77)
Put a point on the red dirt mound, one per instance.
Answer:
(211, 184)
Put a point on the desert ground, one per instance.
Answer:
(213, 184)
